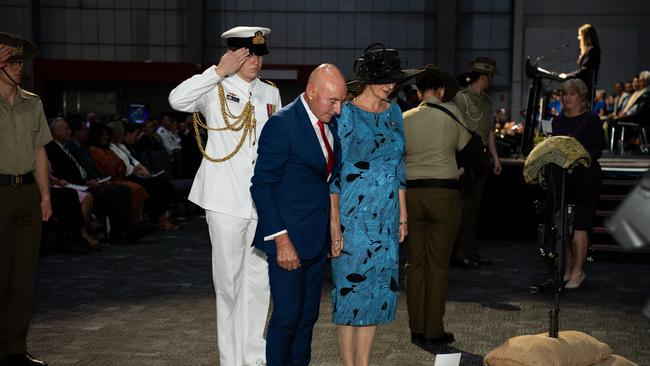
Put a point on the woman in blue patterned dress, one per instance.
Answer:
(368, 213)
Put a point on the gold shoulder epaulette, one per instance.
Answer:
(268, 82)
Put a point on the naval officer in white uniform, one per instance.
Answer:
(234, 104)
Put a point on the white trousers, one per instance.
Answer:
(241, 283)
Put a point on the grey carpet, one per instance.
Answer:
(153, 304)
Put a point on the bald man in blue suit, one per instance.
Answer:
(297, 159)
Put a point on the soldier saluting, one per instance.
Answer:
(25, 197)
(235, 105)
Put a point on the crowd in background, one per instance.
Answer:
(116, 179)
(627, 105)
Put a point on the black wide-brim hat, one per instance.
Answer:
(381, 65)
(23, 49)
(253, 38)
(449, 81)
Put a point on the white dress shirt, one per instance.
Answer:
(170, 140)
(124, 154)
(314, 122)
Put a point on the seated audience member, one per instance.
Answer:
(609, 105)
(68, 221)
(149, 140)
(620, 99)
(111, 165)
(554, 103)
(640, 85)
(168, 132)
(191, 154)
(70, 161)
(85, 203)
(91, 118)
(599, 106)
(629, 87)
(170, 139)
(160, 193)
(637, 110)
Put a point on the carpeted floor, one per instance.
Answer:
(153, 304)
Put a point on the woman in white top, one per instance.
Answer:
(160, 192)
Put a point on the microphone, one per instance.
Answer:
(539, 58)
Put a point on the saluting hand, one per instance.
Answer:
(287, 256)
(232, 61)
(5, 53)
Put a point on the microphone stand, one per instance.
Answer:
(533, 72)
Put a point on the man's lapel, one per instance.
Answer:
(307, 130)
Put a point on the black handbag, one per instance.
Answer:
(471, 156)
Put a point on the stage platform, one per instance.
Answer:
(610, 163)
(508, 212)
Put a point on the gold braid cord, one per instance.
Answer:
(245, 122)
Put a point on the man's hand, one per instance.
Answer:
(231, 62)
(497, 167)
(46, 209)
(5, 53)
(287, 256)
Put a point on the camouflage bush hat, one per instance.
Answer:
(484, 65)
(23, 49)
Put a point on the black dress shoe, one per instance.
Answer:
(25, 359)
(444, 338)
(466, 262)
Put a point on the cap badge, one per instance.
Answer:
(258, 38)
(18, 51)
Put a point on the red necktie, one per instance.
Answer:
(330, 152)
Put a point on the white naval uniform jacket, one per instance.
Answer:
(224, 187)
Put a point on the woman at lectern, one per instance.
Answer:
(583, 188)
(588, 60)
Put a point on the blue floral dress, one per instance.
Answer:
(365, 275)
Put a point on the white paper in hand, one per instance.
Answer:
(447, 359)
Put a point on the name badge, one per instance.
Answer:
(233, 97)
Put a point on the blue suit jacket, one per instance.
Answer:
(290, 188)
